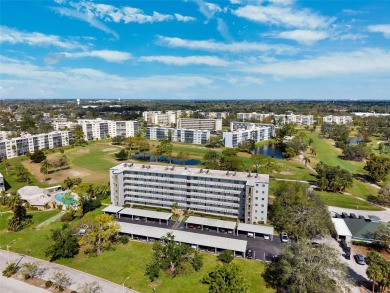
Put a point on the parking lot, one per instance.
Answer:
(263, 249)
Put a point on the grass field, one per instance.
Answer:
(346, 201)
(123, 260)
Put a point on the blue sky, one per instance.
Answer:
(195, 49)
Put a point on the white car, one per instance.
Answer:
(284, 237)
(266, 236)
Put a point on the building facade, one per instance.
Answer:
(63, 125)
(2, 183)
(253, 115)
(235, 125)
(204, 124)
(337, 119)
(223, 193)
(214, 115)
(194, 136)
(164, 119)
(100, 129)
(19, 146)
(232, 139)
(291, 118)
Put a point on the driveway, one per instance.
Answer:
(78, 278)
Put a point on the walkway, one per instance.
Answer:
(78, 278)
(16, 286)
(50, 220)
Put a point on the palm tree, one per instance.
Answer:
(45, 165)
(374, 273)
(306, 160)
(310, 141)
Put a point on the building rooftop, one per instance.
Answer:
(146, 213)
(362, 229)
(211, 222)
(182, 170)
(185, 237)
(112, 209)
(262, 229)
(341, 227)
(27, 192)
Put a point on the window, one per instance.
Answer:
(262, 192)
(262, 198)
(256, 205)
(256, 198)
(263, 185)
(261, 205)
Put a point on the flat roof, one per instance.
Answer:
(262, 229)
(112, 209)
(341, 227)
(185, 237)
(146, 213)
(198, 172)
(211, 222)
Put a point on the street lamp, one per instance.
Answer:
(123, 284)
(8, 249)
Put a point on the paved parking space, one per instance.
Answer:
(262, 249)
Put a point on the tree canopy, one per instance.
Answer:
(303, 268)
(378, 270)
(227, 278)
(299, 212)
(378, 167)
(64, 244)
(333, 178)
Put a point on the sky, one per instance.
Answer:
(195, 49)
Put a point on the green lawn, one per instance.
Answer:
(346, 201)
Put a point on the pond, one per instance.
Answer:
(354, 140)
(272, 151)
(176, 161)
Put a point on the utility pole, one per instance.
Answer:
(8, 250)
(123, 284)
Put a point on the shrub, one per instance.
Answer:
(48, 284)
(124, 239)
(9, 270)
(226, 256)
(33, 208)
(67, 217)
(73, 291)
(26, 276)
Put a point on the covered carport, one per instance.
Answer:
(257, 230)
(112, 210)
(342, 230)
(218, 224)
(145, 214)
(193, 239)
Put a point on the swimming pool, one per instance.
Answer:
(69, 200)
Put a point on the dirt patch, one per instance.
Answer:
(109, 149)
(287, 173)
(83, 151)
(364, 250)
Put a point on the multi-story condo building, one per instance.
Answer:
(99, 129)
(253, 115)
(195, 136)
(368, 114)
(4, 134)
(291, 118)
(2, 184)
(63, 125)
(214, 115)
(232, 139)
(337, 119)
(235, 125)
(204, 124)
(164, 119)
(19, 146)
(224, 193)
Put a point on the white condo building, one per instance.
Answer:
(18, 146)
(214, 115)
(99, 129)
(253, 115)
(242, 131)
(337, 119)
(204, 124)
(63, 125)
(291, 118)
(164, 119)
(369, 114)
(224, 193)
(195, 136)
(2, 183)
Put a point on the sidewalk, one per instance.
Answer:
(78, 278)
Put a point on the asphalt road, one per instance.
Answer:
(262, 249)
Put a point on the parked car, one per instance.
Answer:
(345, 215)
(190, 226)
(230, 231)
(360, 259)
(266, 236)
(249, 254)
(136, 218)
(348, 253)
(250, 235)
(198, 226)
(222, 230)
(353, 216)
(206, 228)
(284, 237)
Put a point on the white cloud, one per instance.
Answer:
(356, 62)
(188, 60)
(183, 18)
(223, 29)
(13, 36)
(284, 15)
(307, 37)
(380, 28)
(107, 55)
(244, 80)
(235, 47)
(28, 80)
(87, 18)
(349, 36)
(208, 9)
